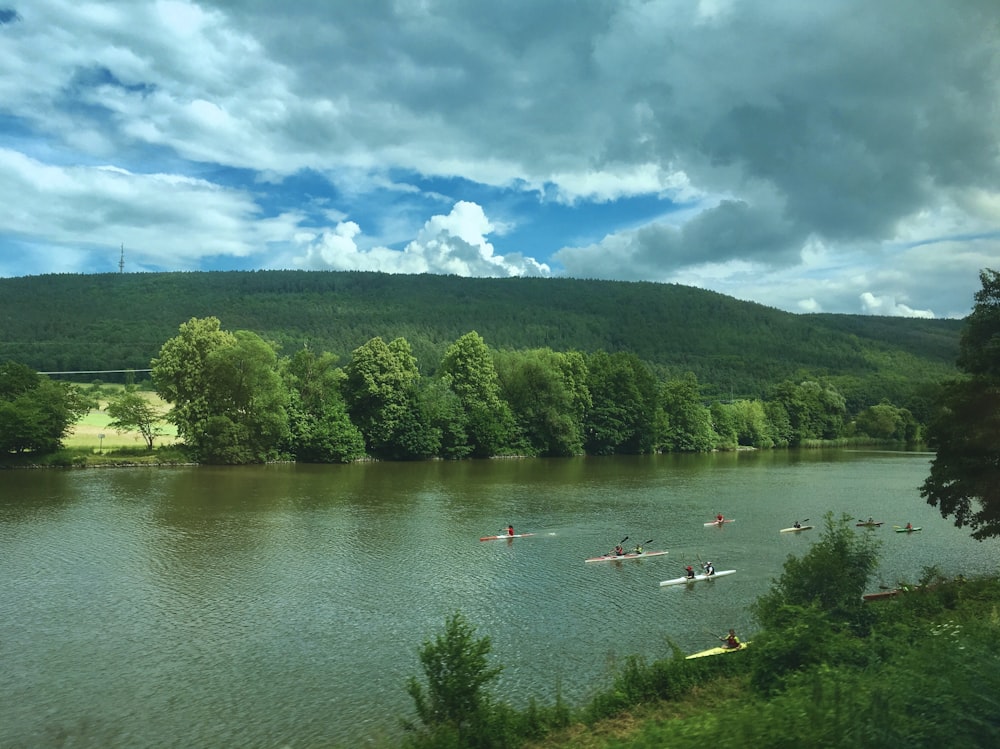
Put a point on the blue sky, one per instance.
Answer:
(831, 156)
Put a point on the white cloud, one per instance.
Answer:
(454, 244)
(863, 129)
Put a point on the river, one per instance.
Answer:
(283, 606)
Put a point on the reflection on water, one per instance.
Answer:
(273, 605)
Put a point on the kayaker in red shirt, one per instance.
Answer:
(510, 530)
(731, 640)
(719, 519)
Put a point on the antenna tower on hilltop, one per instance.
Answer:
(121, 260)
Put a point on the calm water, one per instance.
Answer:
(282, 606)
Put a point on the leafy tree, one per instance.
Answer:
(379, 388)
(472, 375)
(816, 605)
(444, 414)
(689, 420)
(457, 672)
(228, 397)
(964, 481)
(832, 575)
(888, 422)
(624, 406)
(548, 394)
(130, 412)
(321, 430)
(36, 413)
(815, 411)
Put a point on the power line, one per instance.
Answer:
(96, 371)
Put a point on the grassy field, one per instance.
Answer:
(85, 434)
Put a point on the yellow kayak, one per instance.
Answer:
(717, 651)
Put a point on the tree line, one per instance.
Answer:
(736, 349)
(236, 400)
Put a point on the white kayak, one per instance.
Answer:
(696, 578)
(796, 530)
(718, 522)
(629, 555)
(505, 535)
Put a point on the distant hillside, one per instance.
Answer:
(115, 321)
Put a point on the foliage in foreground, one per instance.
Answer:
(964, 483)
(919, 670)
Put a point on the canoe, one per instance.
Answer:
(716, 522)
(796, 530)
(906, 530)
(629, 555)
(717, 651)
(494, 538)
(869, 525)
(696, 578)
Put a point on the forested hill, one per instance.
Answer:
(116, 321)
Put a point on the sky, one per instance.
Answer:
(826, 156)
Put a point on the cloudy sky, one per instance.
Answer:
(831, 155)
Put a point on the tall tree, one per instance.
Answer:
(471, 373)
(227, 395)
(321, 430)
(624, 405)
(379, 389)
(964, 481)
(689, 420)
(548, 394)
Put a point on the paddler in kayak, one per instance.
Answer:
(709, 569)
(510, 530)
(689, 572)
(637, 549)
(720, 519)
(619, 551)
(731, 640)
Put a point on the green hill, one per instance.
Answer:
(119, 321)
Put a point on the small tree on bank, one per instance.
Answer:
(130, 412)
(455, 707)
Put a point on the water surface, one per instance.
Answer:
(283, 605)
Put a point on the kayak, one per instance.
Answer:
(872, 524)
(717, 651)
(494, 538)
(796, 530)
(716, 522)
(629, 555)
(696, 578)
(906, 530)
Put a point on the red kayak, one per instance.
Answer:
(505, 535)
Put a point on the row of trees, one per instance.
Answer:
(236, 401)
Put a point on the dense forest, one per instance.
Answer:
(71, 322)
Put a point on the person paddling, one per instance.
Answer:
(709, 569)
(731, 640)
(510, 530)
(689, 572)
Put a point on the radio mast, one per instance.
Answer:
(121, 260)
